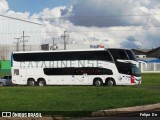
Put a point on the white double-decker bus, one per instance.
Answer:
(75, 67)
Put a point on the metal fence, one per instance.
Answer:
(150, 67)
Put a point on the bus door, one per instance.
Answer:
(18, 76)
(22, 76)
(15, 75)
(125, 73)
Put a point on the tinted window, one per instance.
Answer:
(131, 55)
(129, 69)
(118, 54)
(77, 71)
(93, 71)
(57, 56)
(124, 68)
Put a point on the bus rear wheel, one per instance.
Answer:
(110, 82)
(97, 82)
(31, 82)
(41, 83)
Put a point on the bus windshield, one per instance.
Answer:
(130, 55)
(135, 71)
(122, 54)
(128, 69)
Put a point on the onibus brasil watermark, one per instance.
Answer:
(147, 114)
(21, 114)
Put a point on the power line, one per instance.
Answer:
(79, 31)
(19, 19)
(95, 16)
(78, 17)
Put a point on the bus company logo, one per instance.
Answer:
(61, 64)
(6, 114)
(96, 46)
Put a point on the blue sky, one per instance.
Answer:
(123, 23)
(35, 6)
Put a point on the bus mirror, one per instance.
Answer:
(127, 61)
(142, 62)
(119, 60)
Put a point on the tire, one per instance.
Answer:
(110, 82)
(31, 82)
(97, 82)
(1, 84)
(41, 83)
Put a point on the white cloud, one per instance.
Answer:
(19, 15)
(50, 13)
(107, 13)
(3, 6)
(115, 31)
(112, 11)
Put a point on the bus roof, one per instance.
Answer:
(96, 49)
(60, 50)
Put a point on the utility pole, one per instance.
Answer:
(64, 37)
(53, 41)
(17, 43)
(23, 40)
(54, 45)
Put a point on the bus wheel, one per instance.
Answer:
(31, 82)
(110, 82)
(41, 83)
(1, 84)
(97, 82)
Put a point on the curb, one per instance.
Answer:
(113, 112)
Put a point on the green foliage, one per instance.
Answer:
(80, 98)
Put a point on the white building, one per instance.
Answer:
(7, 49)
